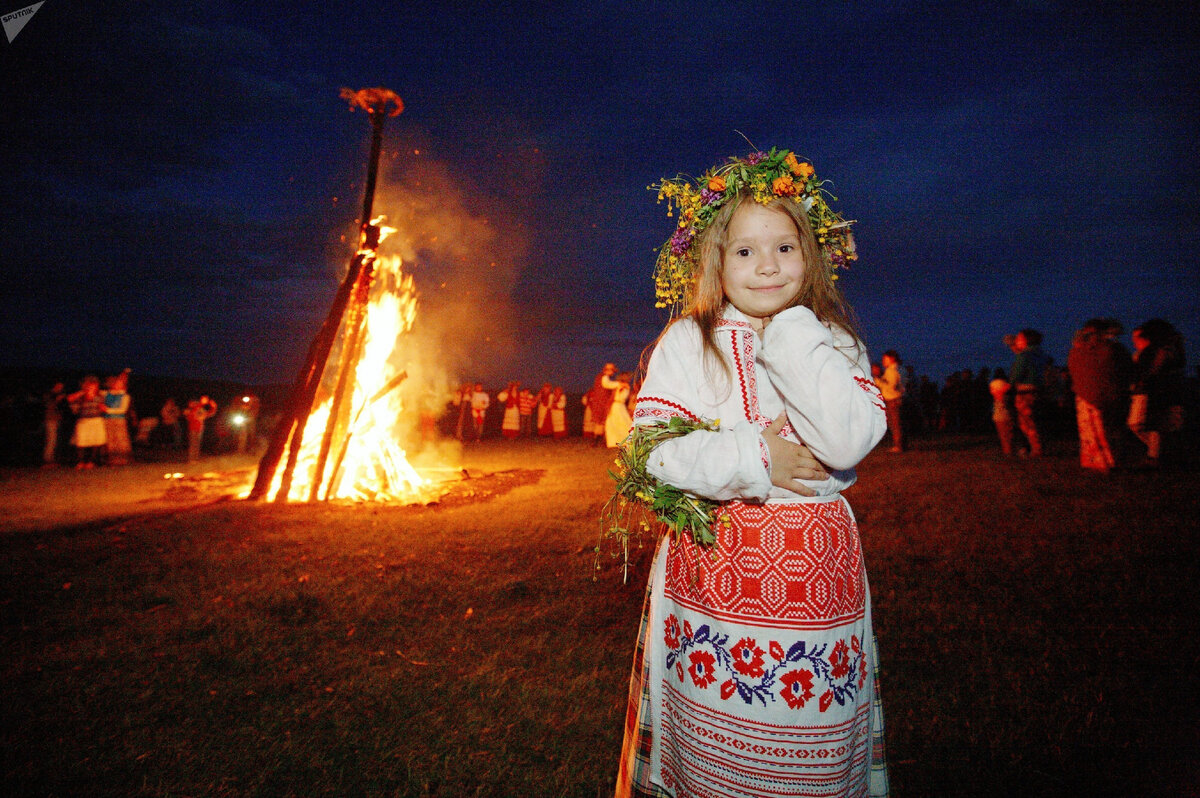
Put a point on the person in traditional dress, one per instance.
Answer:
(118, 447)
(195, 414)
(599, 402)
(618, 423)
(1156, 408)
(545, 424)
(510, 425)
(999, 388)
(558, 412)
(480, 402)
(1100, 369)
(169, 415)
(90, 435)
(465, 427)
(527, 404)
(763, 686)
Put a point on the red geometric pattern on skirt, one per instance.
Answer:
(721, 757)
(775, 562)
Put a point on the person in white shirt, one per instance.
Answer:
(480, 402)
(510, 425)
(767, 635)
(618, 423)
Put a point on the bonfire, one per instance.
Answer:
(339, 435)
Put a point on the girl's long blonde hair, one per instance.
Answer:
(706, 300)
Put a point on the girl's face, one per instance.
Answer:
(763, 266)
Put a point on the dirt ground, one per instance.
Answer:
(40, 499)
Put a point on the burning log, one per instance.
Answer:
(336, 476)
(349, 306)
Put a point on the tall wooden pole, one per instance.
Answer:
(356, 316)
(379, 103)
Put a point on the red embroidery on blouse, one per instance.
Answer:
(867, 385)
(747, 384)
(870, 387)
(743, 360)
(644, 412)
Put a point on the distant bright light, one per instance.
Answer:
(238, 419)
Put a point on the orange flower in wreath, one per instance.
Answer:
(716, 183)
(783, 186)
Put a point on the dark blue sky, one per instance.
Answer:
(178, 178)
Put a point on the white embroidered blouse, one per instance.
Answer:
(799, 364)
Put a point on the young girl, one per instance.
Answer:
(754, 673)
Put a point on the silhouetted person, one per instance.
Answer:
(1100, 369)
(891, 386)
(169, 415)
(1158, 386)
(1028, 376)
(246, 420)
(52, 404)
(197, 412)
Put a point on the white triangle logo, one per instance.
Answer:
(14, 21)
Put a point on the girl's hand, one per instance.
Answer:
(791, 462)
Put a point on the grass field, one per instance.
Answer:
(1038, 630)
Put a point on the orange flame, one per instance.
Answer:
(368, 463)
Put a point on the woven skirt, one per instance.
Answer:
(89, 432)
(755, 669)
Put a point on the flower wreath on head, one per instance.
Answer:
(769, 176)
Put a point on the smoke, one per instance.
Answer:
(462, 252)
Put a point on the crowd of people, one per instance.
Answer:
(607, 410)
(1125, 407)
(100, 434)
(1115, 391)
(105, 426)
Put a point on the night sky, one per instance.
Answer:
(181, 182)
